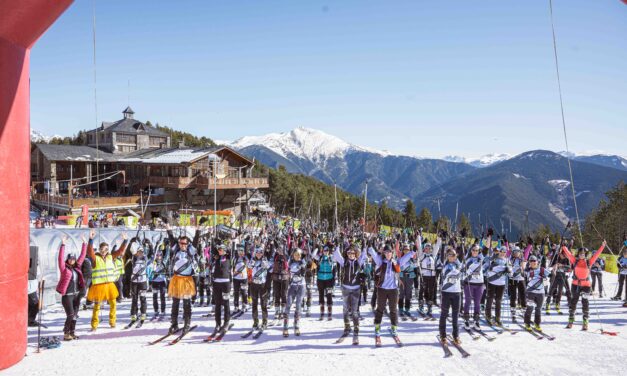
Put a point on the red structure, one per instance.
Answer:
(21, 24)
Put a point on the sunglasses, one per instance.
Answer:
(182, 243)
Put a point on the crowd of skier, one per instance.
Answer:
(274, 271)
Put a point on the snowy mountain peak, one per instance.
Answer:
(36, 136)
(306, 143)
(484, 161)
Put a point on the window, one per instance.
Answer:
(126, 138)
(157, 141)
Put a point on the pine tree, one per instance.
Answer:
(425, 220)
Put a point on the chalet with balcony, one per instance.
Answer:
(147, 180)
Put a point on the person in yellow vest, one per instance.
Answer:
(119, 272)
(104, 275)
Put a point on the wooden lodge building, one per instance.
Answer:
(135, 168)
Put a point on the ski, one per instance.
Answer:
(259, 333)
(465, 354)
(545, 335)
(130, 324)
(396, 338)
(505, 328)
(183, 334)
(222, 333)
(471, 334)
(484, 334)
(342, 337)
(494, 327)
(213, 334)
(447, 351)
(162, 338)
(402, 314)
(412, 317)
(154, 318)
(538, 337)
(249, 333)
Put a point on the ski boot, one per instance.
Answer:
(393, 331)
(347, 328)
(616, 297)
(513, 312)
(537, 328)
(72, 329)
(329, 313)
(498, 321)
(285, 332)
(421, 305)
(67, 337)
(377, 335)
(476, 324)
(296, 326)
(558, 309)
(321, 313)
(467, 325)
(174, 328)
(547, 310)
(489, 320)
(264, 323)
(528, 327)
(256, 323)
(457, 341)
(570, 323)
(584, 327)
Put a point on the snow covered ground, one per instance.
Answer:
(124, 352)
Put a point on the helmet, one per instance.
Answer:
(533, 258)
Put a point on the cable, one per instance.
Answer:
(559, 88)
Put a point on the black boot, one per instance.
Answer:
(329, 313)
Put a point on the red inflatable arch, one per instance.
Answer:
(21, 24)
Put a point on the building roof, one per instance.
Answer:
(131, 126)
(144, 156)
(75, 153)
(170, 155)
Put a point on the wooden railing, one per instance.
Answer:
(170, 181)
(231, 183)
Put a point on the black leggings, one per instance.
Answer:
(495, 295)
(516, 290)
(138, 291)
(583, 292)
(534, 304)
(221, 293)
(240, 288)
(70, 305)
(158, 291)
(555, 292)
(389, 297)
(325, 289)
(450, 300)
(280, 292)
(259, 293)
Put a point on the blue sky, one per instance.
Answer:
(428, 78)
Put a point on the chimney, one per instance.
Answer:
(181, 144)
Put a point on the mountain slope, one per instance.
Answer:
(537, 181)
(311, 152)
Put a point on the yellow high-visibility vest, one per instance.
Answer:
(104, 271)
(119, 266)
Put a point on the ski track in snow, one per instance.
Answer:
(124, 352)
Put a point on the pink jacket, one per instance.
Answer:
(66, 272)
